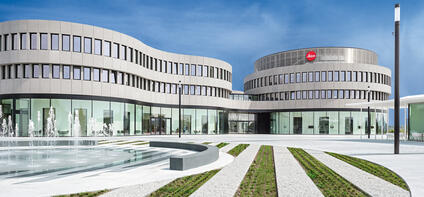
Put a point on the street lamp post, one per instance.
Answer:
(369, 113)
(397, 102)
(179, 109)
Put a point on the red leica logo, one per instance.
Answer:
(311, 55)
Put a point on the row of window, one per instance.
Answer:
(109, 49)
(318, 76)
(56, 71)
(319, 94)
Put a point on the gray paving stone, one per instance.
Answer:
(369, 183)
(228, 147)
(227, 181)
(291, 178)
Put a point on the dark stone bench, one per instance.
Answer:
(205, 154)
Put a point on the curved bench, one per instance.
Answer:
(205, 154)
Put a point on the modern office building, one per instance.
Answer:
(106, 80)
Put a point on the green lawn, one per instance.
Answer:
(206, 143)
(130, 142)
(373, 168)
(184, 186)
(86, 194)
(260, 178)
(222, 144)
(142, 143)
(238, 149)
(329, 182)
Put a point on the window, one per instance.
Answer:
(43, 41)
(174, 88)
(286, 78)
(6, 42)
(335, 94)
(330, 75)
(342, 76)
(55, 41)
(341, 95)
(96, 74)
(316, 94)
(130, 54)
(123, 51)
(87, 45)
(193, 69)
(105, 76)
(46, 71)
(77, 43)
(56, 71)
(87, 73)
(97, 47)
(292, 80)
(66, 72)
(186, 69)
(33, 41)
(298, 95)
(15, 42)
(35, 71)
(304, 77)
(349, 76)
(198, 90)
(204, 93)
(329, 94)
(169, 68)
(115, 50)
(323, 95)
(199, 70)
(270, 80)
(24, 41)
(304, 94)
(311, 76)
(355, 76)
(323, 76)
(205, 71)
(175, 69)
(192, 90)
(77, 73)
(281, 79)
(317, 78)
(18, 71)
(293, 95)
(360, 76)
(186, 89)
(27, 71)
(112, 76)
(66, 42)
(106, 48)
(120, 78)
(336, 75)
(180, 69)
(211, 72)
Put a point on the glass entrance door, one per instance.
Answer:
(349, 125)
(160, 126)
(323, 125)
(297, 125)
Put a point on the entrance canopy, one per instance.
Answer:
(389, 104)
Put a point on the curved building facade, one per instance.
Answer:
(99, 80)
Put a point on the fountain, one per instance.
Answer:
(77, 126)
(39, 123)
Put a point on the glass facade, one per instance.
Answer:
(327, 122)
(416, 123)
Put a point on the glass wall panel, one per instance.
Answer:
(308, 123)
(333, 118)
(321, 123)
(189, 121)
(284, 122)
(274, 123)
(175, 120)
(146, 120)
(39, 112)
(358, 123)
(201, 121)
(62, 108)
(117, 109)
(22, 116)
(373, 122)
(346, 123)
(222, 122)
(102, 118)
(129, 119)
(296, 123)
(138, 119)
(212, 122)
(165, 121)
(83, 107)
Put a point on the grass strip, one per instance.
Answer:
(206, 143)
(85, 194)
(110, 142)
(130, 142)
(142, 143)
(260, 178)
(222, 144)
(329, 182)
(238, 149)
(373, 168)
(184, 186)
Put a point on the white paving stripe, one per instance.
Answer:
(227, 180)
(369, 183)
(291, 178)
(228, 147)
(137, 190)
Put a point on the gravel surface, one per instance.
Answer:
(291, 178)
(369, 183)
(137, 190)
(227, 181)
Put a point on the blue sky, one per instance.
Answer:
(239, 32)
